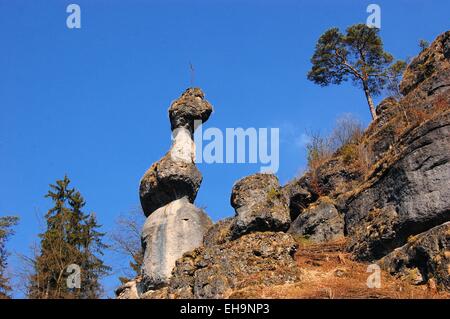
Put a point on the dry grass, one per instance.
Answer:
(415, 116)
(328, 272)
(345, 143)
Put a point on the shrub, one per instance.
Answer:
(273, 194)
(349, 153)
(343, 139)
(348, 130)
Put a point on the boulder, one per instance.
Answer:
(407, 194)
(321, 222)
(426, 256)
(189, 107)
(167, 234)
(259, 205)
(168, 180)
(251, 260)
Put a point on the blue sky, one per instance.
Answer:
(92, 102)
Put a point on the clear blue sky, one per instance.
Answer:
(93, 102)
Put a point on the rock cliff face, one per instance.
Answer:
(394, 209)
(408, 191)
(405, 192)
(409, 196)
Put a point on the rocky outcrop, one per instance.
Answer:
(425, 86)
(259, 205)
(410, 195)
(219, 270)
(430, 64)
(175, 175)
(425, 258)
(401, 190)
(407, 193)
(319, 223)
(167, 190)
(390, 200)
(169, 232)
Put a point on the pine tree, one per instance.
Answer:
(6, 223)
(71, 238)
(359, 56)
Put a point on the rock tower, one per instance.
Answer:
(174, 225)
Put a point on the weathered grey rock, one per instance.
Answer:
(335, 177)
(167, 234)
(298, 196)
(426, 86)
(175, 175)
(426, 256)
(128, 290)
(219, 233)
(189, 107)
(387, 109)
(409, 193)
(426, 81)
(168, 180)
(251, 260)
(321, 222)
(259, 205)
(433, 60)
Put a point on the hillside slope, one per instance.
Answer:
(383, 200)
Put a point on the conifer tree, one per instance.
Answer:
(6, 223)
(358, 56)
(71, 238)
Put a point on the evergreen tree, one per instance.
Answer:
(359, 56)
(6, 223)
(71, 237)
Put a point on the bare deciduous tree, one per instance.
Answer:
(126, 242)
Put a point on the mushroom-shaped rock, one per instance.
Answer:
(189, 107)
(259, 205)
